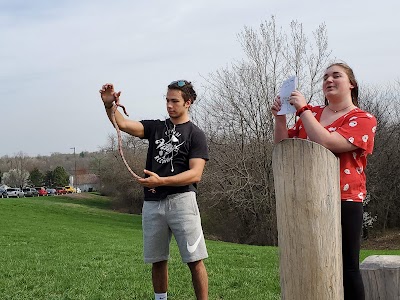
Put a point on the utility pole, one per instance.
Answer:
(75, 183)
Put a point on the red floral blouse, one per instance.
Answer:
(358, 127)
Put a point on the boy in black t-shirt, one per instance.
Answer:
(175, 162)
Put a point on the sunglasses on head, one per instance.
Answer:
(180, 83)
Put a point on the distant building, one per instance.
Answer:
(86, 182)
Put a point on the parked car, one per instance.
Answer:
(15, 192)
(3, 193)
(42, 191)
(30, 192)
(60, 190)
(51, 192)
(69, 189)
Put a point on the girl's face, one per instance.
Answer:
(336, 83)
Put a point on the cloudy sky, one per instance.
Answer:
(55, 55)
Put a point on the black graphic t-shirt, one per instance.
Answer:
(170, 148)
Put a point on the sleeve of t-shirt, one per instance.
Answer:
(359, 129)
(149, 126)
(199, 148)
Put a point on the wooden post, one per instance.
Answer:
(381, 277)
(307, 188)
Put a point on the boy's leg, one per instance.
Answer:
(156, 233)
(156, 239)
(160, 276)
(199, 279)
(185, 223)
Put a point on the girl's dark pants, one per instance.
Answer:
(352, 218)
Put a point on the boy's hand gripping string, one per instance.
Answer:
(114, 122)
(109, 96)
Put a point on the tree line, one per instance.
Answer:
(21, 170)
(23, 178)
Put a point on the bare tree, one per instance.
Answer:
(383, 170)
(15, 178)
(236, 116)
(17, 174)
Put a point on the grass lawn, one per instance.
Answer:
(68, 248)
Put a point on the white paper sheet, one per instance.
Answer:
(288, 86)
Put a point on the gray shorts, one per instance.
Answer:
(178, 214)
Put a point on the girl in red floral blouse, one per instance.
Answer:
(349, 133)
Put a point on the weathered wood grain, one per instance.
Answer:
(307, 188)
(381, 277)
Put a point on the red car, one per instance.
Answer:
(61, 190)
(42, 191)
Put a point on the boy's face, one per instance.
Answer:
(176, 105)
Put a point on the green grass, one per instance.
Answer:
(66, 248)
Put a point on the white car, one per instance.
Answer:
(15, 192)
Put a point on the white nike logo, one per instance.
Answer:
(192, 248)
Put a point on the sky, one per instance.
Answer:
(56, 55)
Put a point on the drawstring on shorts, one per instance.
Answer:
(168, 203)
